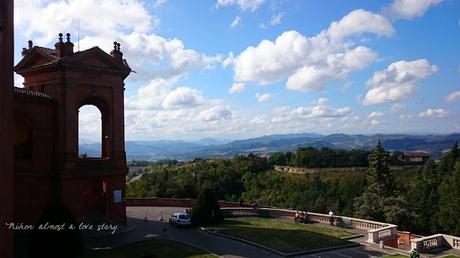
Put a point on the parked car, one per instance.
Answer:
(180, 219)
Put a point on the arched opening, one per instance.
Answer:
(90, 136)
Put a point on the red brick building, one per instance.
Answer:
(6, 129)
(57, 82)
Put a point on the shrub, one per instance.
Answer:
(206, 209)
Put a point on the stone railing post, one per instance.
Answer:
(384, 233)
(425, 244)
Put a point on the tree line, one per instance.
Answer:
(325, 157)
(426, 202)
(329, 158)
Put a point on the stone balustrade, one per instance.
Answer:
(349, 221)
(382, 234)
(377, 231)
(425, 244)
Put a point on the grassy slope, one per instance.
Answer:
(283, 236)
(157, 248)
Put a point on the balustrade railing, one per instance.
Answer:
(377, 231)
(425, 244)
(382, 234)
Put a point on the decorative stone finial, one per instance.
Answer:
(116, 53)
(68, 37)
(30, 44)
(60, 37)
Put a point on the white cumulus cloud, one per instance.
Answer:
(158, 3)
(237, 87)
(244, 5)
(437, 113)
(409, 9)
(358, 22)
(453, 96)
(318, 110)
(215, 114)
(100, 23)
(183, 97)
(150, 96)
(309, 62)
(375, 115)
(263, 97)
(322, 101)
(397, 107)
(159, 94)
(397, 81)
(405, 117)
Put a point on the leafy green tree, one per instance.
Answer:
(448, 160)
(206, 210)
(277, 158)
(449, 203)
(423, 203)
(370, 204)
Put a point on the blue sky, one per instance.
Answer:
(245, 68)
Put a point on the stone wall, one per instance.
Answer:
(300, 170)
(171, 202)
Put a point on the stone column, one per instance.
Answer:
(6, 130)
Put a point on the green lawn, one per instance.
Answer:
(283, 236)
(151, 249)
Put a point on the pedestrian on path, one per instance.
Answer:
(331, 217)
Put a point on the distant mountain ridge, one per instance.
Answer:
(265, 145)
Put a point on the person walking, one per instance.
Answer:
(331, 217)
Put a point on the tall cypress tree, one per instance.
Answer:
(379, 174)
(380, 200)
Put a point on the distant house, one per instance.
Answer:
(414, 157)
